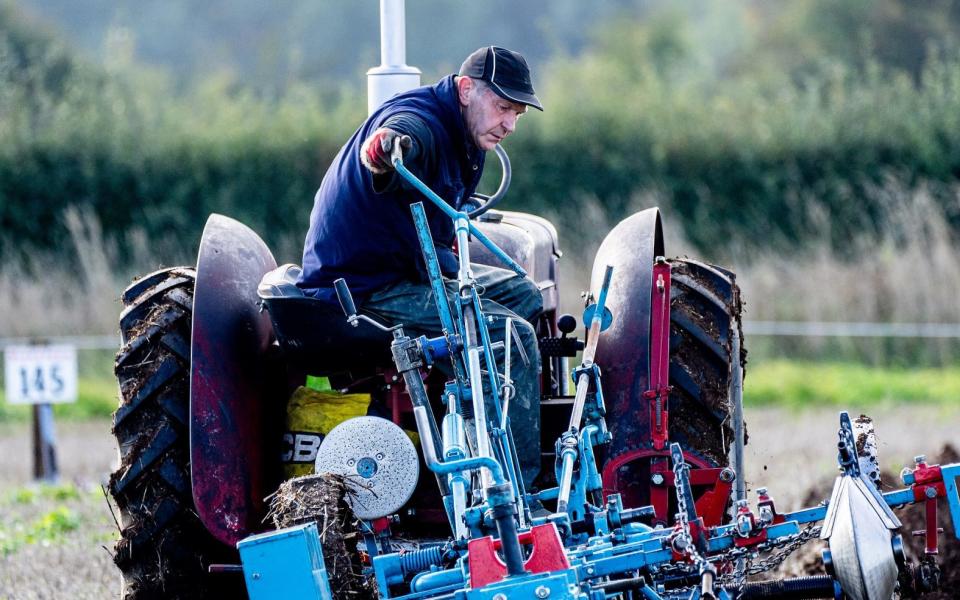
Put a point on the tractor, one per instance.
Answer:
(207, 366)
(638, 493)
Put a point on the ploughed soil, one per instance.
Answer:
(793, 454)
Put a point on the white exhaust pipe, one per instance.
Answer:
(393, 75)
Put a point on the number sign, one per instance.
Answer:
(40, 374)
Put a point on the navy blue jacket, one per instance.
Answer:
(361, 227)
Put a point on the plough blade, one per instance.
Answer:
(860, 532)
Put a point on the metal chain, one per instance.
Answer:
(681, 473)
(750, 566)
(738, 578)
(789, 544)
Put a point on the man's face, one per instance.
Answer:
(488, 117)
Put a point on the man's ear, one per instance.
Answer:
(464, 87)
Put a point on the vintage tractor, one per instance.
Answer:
(207, 367)
(489, 536)
(635, 498)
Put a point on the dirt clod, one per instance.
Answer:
(321, 499)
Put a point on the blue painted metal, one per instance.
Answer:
(454, 214)
(431, 580)
(433, 267)
(603, 541)
(950, 475)
(599, 311)
(576, 450)
(469, 464)
(623, 550)
(457, 466)
(488, 356)
(605, 320)
(439, 348)
(554, 586)
(629, 548)
(573, 496)
(285, 564)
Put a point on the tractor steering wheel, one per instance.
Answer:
(482, 202)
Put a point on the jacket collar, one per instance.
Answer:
(446, 92)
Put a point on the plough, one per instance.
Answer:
(577, 540)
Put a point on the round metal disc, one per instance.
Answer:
(378, 458)
(605, 320)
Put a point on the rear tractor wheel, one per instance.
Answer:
(164, 549)
(704, 315)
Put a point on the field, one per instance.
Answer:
(55, 540)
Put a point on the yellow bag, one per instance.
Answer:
(311, 414)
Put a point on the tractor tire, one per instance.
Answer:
(164, 549)
(704, 310)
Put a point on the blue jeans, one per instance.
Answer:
(503, 294)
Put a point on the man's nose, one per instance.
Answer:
(510, 122)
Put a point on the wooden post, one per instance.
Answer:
(44, 444)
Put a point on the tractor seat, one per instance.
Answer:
(314, 335)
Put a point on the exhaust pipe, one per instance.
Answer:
(393, 75)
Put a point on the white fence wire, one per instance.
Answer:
(859, 330)
(758, 328)
(80, 342)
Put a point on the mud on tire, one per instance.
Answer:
(704, 310)
(164, 549)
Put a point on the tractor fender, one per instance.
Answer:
(624, 349)
(228, 375)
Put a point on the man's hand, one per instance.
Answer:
(375, 151)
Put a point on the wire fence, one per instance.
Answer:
(828, 329)
(80, 342)
(851, 330)
(834, 329)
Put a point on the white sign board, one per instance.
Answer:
(40, 374)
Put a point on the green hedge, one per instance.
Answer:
(752, 161)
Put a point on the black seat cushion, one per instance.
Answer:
(316, 336)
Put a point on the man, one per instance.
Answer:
(361, 227)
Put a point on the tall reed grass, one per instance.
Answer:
(910, 272)
(75, 289)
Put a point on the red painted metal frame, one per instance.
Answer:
(929, 477)
(230, 339)
(659, 391)
(926, 476)
(712, 503)
(546, 555)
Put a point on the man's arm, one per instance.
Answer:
(375, 151)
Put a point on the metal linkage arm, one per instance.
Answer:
(433, 267)
(568, 444)
(454, 466)
(453, 214)
(593, 338)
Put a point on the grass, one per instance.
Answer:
(806, 384)
(770, 382)
(96, 398)
(22, 527)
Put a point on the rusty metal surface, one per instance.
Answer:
(528, 239)
(230, 339)
(624, 350)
